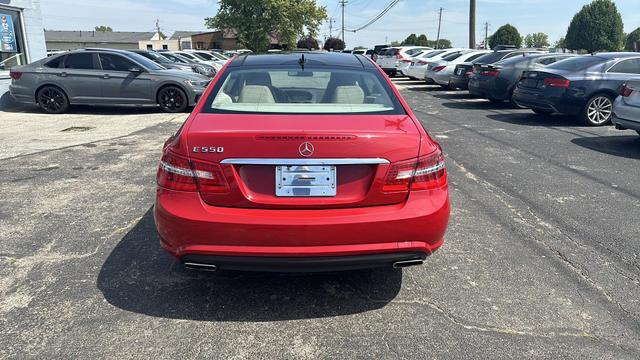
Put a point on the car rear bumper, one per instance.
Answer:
(625, 124)
(459, 82)
(188, 226)
(540, 101)
(20, 94)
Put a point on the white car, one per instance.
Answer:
(198, 58)
(626, 107)
(404, 65)
(390, 59)
(441, 71)
(418, 67)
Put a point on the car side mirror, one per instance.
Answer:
(135, 69)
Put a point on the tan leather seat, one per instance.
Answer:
(258, 94)
(351, 94)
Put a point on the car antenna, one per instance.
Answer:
(301, 61)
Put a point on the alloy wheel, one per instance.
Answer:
(52, 100)
(599, 110)
(172, 99)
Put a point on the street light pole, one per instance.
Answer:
(472, 24)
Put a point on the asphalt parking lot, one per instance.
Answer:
(541, 259)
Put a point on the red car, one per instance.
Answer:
(301, 162)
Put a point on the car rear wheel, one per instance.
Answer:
(638, 131)
(172, 99)
(53, 100)
(597, 112)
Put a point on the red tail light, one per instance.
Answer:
(399, 56)
(15, 75)
(178, 173)
(557, 83)
(625, 91)
(489, 72)
(438, 68)
(424, 173)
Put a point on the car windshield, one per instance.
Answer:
(149, 64)
(432, 54)
(218, 56)
(490, 58)
(577, 63)
(205, 56)
(156, 57)
(309, 91)
(178, 58)
(452, 56)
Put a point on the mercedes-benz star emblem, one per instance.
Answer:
(306, 149)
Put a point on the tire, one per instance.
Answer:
(542, 112)
(638, 131)
(172, 99)
(598, 110)
(52, 100)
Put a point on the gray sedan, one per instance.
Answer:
(104, 77)
(626, 108)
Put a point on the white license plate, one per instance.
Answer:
(305, 181)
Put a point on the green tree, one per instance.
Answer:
(505, 35)
(560, 44)
(395, 43)
(307, 42)
(442, 44)
(422, 40)
(333, 43)
(633, 41)
(536, 40)
(256, 20)
(103, 28)
(598, 26)
(410, 40)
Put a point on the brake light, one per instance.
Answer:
(15, 75)
(424, 173)
(178, 173)
(399, 56)
(489, 72)
(438, 68)
(625, 91)
(557, 83)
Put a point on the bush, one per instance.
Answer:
(333, 43)
(308, 42)
(505, 35)
(597, 27)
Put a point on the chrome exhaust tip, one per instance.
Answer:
(407, 263)
(201, 267)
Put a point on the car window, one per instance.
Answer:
(309, 91)
(452, 56)
(577, 63)
(55, 62)
(631, 66)
(205, 55)
(81, 61)
(112, 62)
(433, 54)
(490, 58)
(473, 57)
(413, 51)
(513, 54)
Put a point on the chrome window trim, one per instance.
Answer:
(275, 161)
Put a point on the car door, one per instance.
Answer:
(80, 77)
(622, 71)
(122, 84)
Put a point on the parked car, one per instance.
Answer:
(626, 107)
(199, 59)
(200, 68)
(583, 86)
(377, 50)
(404, 65)
(418, 67)
(178, 65)
(209, 56)
(461, 74)
(439, 72)
(104, 77)
(393, 56)
(497, 82)
(359, 51)
(276, 169)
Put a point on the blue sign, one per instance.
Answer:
(7, 34)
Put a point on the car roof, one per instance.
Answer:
(311, 58)
(615, 55)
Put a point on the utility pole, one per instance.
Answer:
(486, 35)
(439, 23)
(472, 24)
(343, 3)
(331, 21)
(158, 29)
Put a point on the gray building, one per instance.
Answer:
(71, 40)
(184, 38)
(21, 39)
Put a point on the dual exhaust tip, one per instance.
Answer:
(212, 268)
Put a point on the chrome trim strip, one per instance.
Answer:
(345, 161)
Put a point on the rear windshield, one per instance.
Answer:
(310, 91)
(433, 53)
(490, 58)
(577, 63)
(391, 52)
(452, 56)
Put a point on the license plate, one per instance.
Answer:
(530, 83)
(305, 181)
(459, 71)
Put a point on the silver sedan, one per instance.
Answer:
(626, 108)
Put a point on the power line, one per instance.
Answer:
(377, 17)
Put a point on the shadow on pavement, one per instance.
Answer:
(139, 276)
(478, 105)
(623, 146)
(532, 119)
(91, 110)
(459, 94)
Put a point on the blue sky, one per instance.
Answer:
(408, 16)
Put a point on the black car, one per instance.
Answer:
(171, 63)
(462, 72)
(583, 86)
(497, 82)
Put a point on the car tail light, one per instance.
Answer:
(178, 173)
(15, 75)
(438, 68)
(424, 173)
(557, 83)
(489, 72)
(625, 91)
(399, 56)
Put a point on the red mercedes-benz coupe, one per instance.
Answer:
(301, 162)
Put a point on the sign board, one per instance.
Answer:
(7, 34)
